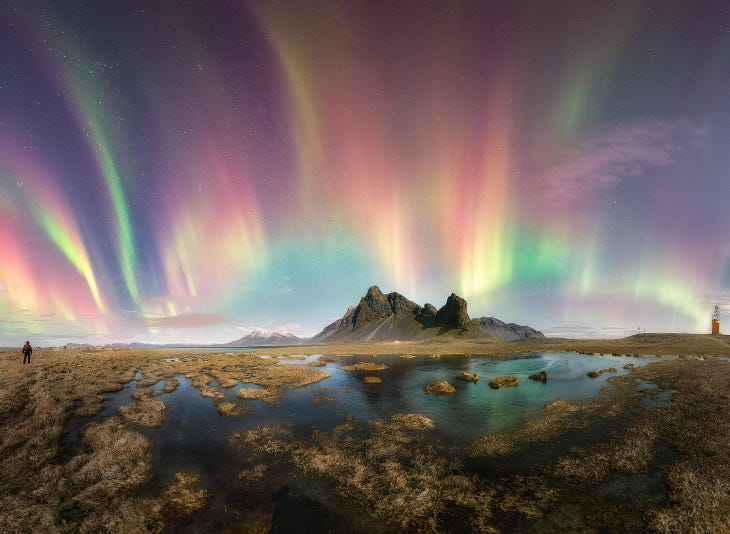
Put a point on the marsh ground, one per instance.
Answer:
(613, 463)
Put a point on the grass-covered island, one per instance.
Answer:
(616, 462)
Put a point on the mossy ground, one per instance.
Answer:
(98, 489)
(610, 464)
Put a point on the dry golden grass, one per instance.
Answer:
(469, 377)
(184, 494)
(287, 376)
(644, 344)
(263, 394)
(372, 380)
(562, 405)
(409, 486)
(267, 439)
(171, 384)
(414, 421)
(293, 357)
(492, 445)
(97, 490)
(365, 366)
(386, 467)
(141, 393)
(504, 382)
(439, 388)
(256, 472)
(229, 409)
(147, 412)
(224, 379)
(697, 424)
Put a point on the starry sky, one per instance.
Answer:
(184, 171)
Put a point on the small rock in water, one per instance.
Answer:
(372, 380)
(469, 377)
(595, 374)
(439, 388)
(365, 366)
(541, 376)
(504, 382)
(629, 366)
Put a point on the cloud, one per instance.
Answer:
(625, 151)
(190, 320)
(287, 327)
(589, 332)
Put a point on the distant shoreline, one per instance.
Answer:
(640, 344)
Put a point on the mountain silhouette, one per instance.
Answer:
(380, 317)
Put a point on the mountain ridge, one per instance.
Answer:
(381, 317)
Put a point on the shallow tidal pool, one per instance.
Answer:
(195, 437)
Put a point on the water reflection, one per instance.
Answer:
(194, 437)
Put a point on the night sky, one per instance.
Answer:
(184, 171)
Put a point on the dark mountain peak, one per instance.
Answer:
(379, 317)
(429, 310)
(374, 301)
(374, 291)
(453, 314)
(400, 305)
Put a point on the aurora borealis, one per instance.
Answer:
(180, 172)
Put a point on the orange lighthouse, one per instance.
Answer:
(716, 320)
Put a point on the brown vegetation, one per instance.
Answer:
(609, 464)
(504, 382)
(365, 366)
(230, 409)
(413, 421)
(372, 380)
(642, 344)
(97, 490)
(469, 377)
(145, 412)
(184, 494)
(596, 374)
(439, 388)
(264, 394)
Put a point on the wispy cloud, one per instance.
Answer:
(589, 332)
(190, 320)
(623, 152)
(287, 327)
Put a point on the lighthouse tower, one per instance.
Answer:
(716, 320)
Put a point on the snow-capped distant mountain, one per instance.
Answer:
(259, 337)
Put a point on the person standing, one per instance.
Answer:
(27, 351)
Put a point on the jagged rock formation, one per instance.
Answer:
(380, 317)
(453, 314)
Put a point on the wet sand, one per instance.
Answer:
(615, 463)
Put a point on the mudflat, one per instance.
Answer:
(619, 462)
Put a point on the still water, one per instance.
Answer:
(194, 431)
(194, 437)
